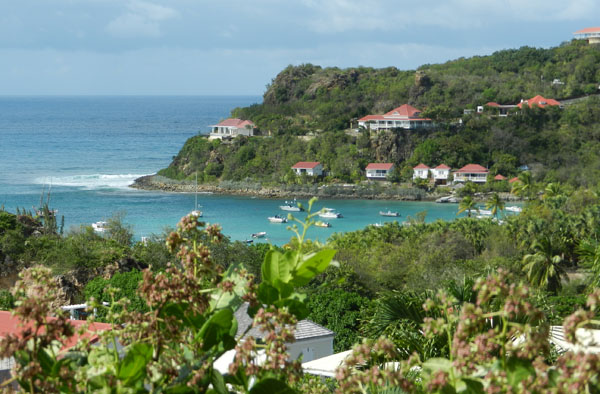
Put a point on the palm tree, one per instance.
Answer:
(495, 204)
(544, 266)
(524, 186)
(466, 204)
(589, 252)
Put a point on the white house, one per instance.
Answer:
(230, 128)
(312, 340)
(591, 34)
(379, 171)
(440, 174)
(421, 171)
(471, 172)
(403, 117)
(312, 168)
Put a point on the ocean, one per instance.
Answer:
(87, 149)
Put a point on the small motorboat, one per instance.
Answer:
(513, 208)
(196, 213)
(259, 234)
(389, 213)
(291, 206)
(99, 227)
(249, 241)
(277, 219)
(330, 213)
(377, 225)
(322, 224)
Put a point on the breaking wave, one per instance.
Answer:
(92, 181)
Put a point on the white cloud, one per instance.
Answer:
(142, 19)
(337, 16)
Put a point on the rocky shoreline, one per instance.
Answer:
(336, 191)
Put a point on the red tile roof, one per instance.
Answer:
(234, 122)
(10, 324)
(512, 180)
(492, 104)
(403, 112)
(473, 168)
(588, 30)
(380, 166)
(306, 164)
(442, 167)
(540, 101)
(500, 177)
(421, 167)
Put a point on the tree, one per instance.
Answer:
(466, 205)
(544, 266)
(524, 186)
(495, 204)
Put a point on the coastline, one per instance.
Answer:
(372, 191)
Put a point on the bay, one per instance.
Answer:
(89, 149)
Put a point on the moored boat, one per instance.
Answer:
(259, 234)
(513, 208)
(100, 226)
(389, 213)
(277, 219)
(330, 213)
(322, 224)
(291, 206)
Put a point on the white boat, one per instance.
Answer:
(99, 227)
(259, 234)
(389, 213)
(322, 224)
(377, 225)
(329, 213)
(277, 219)
(447, 199)
(196, 212)
(513, 208)
(485, 212)
(291, 206)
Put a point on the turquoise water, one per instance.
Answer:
(91, 148)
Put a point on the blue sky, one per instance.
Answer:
(237, 47)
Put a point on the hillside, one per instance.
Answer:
(557, 144)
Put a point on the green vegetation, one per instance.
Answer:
(306, 110)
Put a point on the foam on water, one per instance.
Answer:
(91, 181)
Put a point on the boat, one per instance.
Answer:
(196, 212)
(513, 208)
(389, 213)
(291, 206)
(485, 212)
(447, 199)
(259, 234)
(330, 213)
(322, 224)
(377, 225)
(277, 219)
(249, 241)
(100, 226)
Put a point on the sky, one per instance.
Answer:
(235, 47)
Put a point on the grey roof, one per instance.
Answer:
(305, 329)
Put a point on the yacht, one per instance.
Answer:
(259, 234)
(291, 206)
(389, 213)
(277, 219)
(513, 208)
(330, 213)
(99, 227)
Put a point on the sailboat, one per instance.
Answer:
(196, 212)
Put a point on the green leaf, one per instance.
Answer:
(223, 299)
(133, 366)
(312, 267)
(277, 266)
(470, 386)
(216, 327)
(517, 370)
(267, 294)
(271, 386)
(437, 364)
(296, 307)
(46, 360)
(218, 382)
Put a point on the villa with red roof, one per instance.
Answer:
(403, 117)
(231, 128)
(440, 174)
(591, 34)
(311, 168)
(421, 172)
(471, 173)
(539, 101)
(379, 171)
(499, 177)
